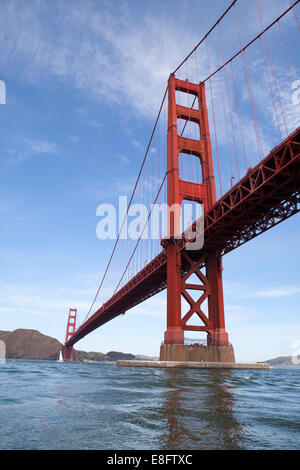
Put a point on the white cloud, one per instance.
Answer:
(41, 147)
(41, 299)
(281, 291)
(108, 56)
(116, 186)
(31, 148)
(122, 158)
(153, 307)
(74, 139)
(137, 145)
(97, 125)
(104, 56)
(239, 313)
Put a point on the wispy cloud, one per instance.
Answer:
(42, 299)
(105, 192)
(281, 291)
(31, 148)
(74, 139)
(41, 147)
(154, 307)
(137, 144)
(6, 207)
(96, 124)
(103, 55)
(122, 158)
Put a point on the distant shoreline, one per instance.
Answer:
(33, 345)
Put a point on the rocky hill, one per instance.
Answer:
(283, 361)
(115, 356)
(31, 344)
(97, 356)
(89, 356)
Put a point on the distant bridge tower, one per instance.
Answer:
(180, 264)
(71, 326)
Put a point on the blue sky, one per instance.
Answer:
(84, 81)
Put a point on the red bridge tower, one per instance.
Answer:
(180, 264)
(71, 326)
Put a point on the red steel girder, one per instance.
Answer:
(264, 197)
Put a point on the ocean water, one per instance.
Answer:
(49, 405)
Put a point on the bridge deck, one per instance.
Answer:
(264, 197)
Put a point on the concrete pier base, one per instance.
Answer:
(193, 365)
(196, 353)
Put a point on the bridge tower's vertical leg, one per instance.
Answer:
(71, 326)
(210, 283)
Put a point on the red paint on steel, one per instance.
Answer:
(71, 328)
(178, 191)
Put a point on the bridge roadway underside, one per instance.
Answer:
(264, 197)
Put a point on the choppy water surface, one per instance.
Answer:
(49, 405)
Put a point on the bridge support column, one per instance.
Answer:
(182, 263)
(68, 354)
(196, 353)
(71, 327)
(174, 333)
(217, 336)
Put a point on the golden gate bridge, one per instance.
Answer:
(237, 113)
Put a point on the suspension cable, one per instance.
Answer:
(252, 41)
(206, 35)
(129, 204)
